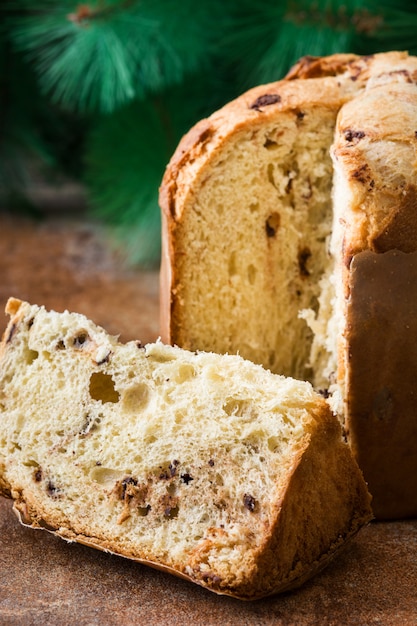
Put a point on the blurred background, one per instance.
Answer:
(94, 96)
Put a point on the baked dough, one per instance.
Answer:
(267, 204)
(203, 465)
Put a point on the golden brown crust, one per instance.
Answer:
(335, 503)
(374, 147)
(381, 377)
(375, 151)
(317, 67)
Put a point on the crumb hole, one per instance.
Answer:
(136, 398)
(273, 443)
(272, 224)
(171, 512)
(179, 417)
(270, 144)
(219, 480)
(270, 173)
(251, 274)
(80, 339)
(143, 510)
(184, 372)
(232, 264)
(105, 475)
(31, 356)
(236, 406)
(102, 388)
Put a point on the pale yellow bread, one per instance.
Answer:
(204, 465)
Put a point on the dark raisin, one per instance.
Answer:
(249, 502)
(52, 490)
(210, 577)
(303, 256)
(168, 473)
(211, 463)
(186, 478)
(265, 100)
(272, 224)
(350, 134)
(129, 480)
(38, 475)
(11, 333)
(105, 359)
(361, 174)
(173, 467)
(60, 345)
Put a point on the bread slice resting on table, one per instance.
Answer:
(204, 465)
(290, 237)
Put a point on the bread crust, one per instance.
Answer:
(375, 154)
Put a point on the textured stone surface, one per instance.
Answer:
(47, 582)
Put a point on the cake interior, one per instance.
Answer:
(270, 191)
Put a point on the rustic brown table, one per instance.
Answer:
(69, 264)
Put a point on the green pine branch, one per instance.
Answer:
(104, 89)
(126, 156)
(105, 53)
(269, 37)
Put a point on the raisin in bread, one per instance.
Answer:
(289, 217)
(204, 465)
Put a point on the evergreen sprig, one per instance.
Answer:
(101, 55)
(126, 156)
(270, 36)
(102, 90)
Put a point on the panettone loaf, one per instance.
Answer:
(203, 465)
(275, 209)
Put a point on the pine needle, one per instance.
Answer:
(101, 55)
